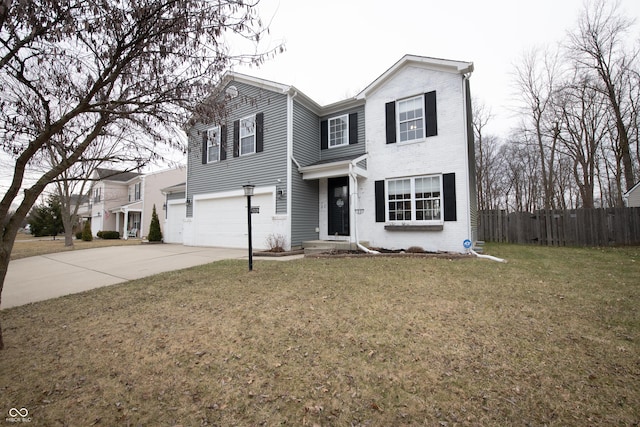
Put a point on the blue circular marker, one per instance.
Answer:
(467, 244)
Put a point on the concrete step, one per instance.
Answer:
(478, 246)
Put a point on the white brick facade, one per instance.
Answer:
(443, 153)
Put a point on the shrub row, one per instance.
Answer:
(108, 235)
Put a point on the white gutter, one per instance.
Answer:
(352, 174)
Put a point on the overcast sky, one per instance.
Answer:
(335, 48)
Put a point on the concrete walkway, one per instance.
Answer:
(49, 276)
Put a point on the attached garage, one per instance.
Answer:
(176, 213)
(222, 221)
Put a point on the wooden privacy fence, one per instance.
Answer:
(575, 227)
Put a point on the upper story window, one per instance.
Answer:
(248, 135)
(339, 131)
(213, 144)
(97, 195)
(135, 192)
(411, 119)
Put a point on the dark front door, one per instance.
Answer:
(339, 206)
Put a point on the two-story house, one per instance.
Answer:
(392, 166)
(123, 201)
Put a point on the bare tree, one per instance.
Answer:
(75, 74)
(536, 80)
(597, 45)
(582, 114)
(481, 117)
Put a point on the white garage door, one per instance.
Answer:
(176, 214)
(223, 222)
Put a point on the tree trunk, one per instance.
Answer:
(9, 231)
(67, 222)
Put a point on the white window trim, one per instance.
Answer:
(413, 220)
(209, 145)
(424, 120)
(345, 140)
(241, 136)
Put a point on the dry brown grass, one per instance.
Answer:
(551, 338)
(26, 246)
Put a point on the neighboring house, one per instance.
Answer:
(632, 197)
(123, 201)
(83, 213)
(393, 166)
(175, 213)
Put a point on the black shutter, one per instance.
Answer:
(204, 147)
(353, 128)
(259, 132)
(223, 143)
(324, 135)
(236, 138)
(431, 113)
(390, 111)
(380, 203)
(449, 190)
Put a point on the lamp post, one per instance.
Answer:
(248, 191)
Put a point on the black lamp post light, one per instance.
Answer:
(248, 191)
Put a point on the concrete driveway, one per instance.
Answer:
(49, 276)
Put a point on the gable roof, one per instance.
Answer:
(115, 175)
(460, 67)
(632, 189)
(438, 64)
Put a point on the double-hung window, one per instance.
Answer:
(248, 135)
(416, 199)
(213, 144)
(339, 131)
(411, 119)
(137, 191)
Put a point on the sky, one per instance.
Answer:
(335, 48)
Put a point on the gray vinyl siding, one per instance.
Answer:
(471, 160)
(259, 169)
(305, 214)
(351, 149)
(175, 196)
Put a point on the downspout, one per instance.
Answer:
(289, 184)
(352, 174)
(492, 258)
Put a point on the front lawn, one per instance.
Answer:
(550, 338)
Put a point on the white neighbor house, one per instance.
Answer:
(123, 201)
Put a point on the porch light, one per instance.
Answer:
(248, 189)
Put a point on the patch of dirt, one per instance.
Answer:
(278, 254)
(388, 253)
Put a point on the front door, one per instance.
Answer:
(338, 206)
